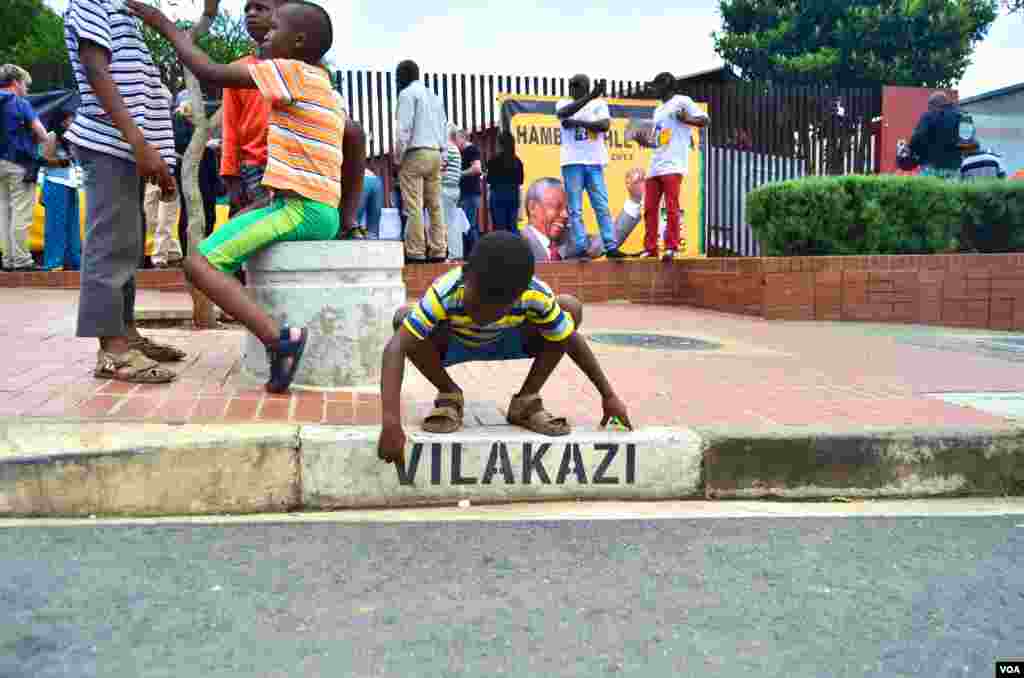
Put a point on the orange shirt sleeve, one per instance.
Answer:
(278, 80)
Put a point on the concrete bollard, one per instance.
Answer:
(344, 292)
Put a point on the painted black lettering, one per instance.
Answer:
(457, 477)
(534, 137)
(546, 135)
(521, 134)
(572, 462)
(499, 452)
(558, 137)
(630, 464)
(533, 463)
(407, 470)
(610, 450)
(435, 464)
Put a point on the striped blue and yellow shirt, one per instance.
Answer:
(443, 302)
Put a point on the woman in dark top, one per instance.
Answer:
(504, 182)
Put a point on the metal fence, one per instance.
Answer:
(470, 100)
(764, 132)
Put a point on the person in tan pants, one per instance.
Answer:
(422, 139)
(162, 215)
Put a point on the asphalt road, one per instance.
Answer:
(766, 597)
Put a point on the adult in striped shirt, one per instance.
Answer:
(122, 133)
(451, 175)
(308, 135)
(491, 309)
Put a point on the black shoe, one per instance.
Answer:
(411, 261)
(616, 254)
(27, 269)
(436, 260)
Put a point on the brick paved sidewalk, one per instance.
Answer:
(765, 373)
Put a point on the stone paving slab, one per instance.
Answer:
(765, 373)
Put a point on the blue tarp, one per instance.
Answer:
(52, 106)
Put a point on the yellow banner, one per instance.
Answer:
(538, 145)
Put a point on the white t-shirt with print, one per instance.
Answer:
(580, 146)
(672, 152)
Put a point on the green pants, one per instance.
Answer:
(284, 219)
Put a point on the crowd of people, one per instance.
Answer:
(295, 170)
(293, 165)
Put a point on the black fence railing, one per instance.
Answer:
(766, 132)
(469, 99)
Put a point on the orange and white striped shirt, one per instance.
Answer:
(307, 121)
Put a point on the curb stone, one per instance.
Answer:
(817, 464)
(67, 468)
(340, 468)
(75, 469)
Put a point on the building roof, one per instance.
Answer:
(722, 73)
(1004, 91)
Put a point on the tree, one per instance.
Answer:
(925, 43)
(13, 27)
(1014, 5)
(202, 307)
(226, 40)
(36, 45)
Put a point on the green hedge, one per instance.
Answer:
(886, 215)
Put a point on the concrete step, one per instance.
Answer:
(67, 468)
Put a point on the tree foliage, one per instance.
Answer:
(925, 43)
(36, 45)
(226, 41)
(1014, 5)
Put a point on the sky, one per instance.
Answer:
(631, 41)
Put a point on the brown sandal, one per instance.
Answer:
(446, 417)
(162, 353)
(528, 411)
(132, 367)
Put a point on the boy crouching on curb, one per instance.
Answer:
(491, 309)
(307, 138)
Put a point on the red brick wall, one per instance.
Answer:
(968, 290)
(172, 279)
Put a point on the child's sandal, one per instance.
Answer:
(447, 415)
(528, 411)
(285, 349)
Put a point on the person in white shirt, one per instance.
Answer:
(585, 122)
(422, 141)
(671, 139)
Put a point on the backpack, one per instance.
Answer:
(966, 132)
(3, 130)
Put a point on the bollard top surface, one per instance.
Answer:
(329, 255)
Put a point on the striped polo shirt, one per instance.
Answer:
(443, 303)
(453, 169)
(307, 122)
(136, 76)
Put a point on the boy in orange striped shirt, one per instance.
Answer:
(307, 137)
